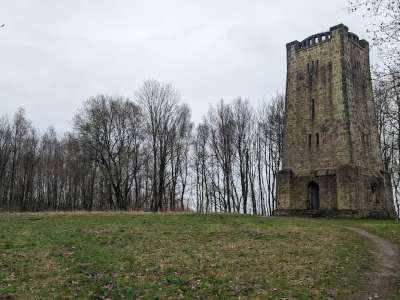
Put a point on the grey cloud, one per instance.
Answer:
(55, 54)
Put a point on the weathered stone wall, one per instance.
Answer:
(359, 97)
(330, 134)
(283, 187)
(323, 85)
(327, 190)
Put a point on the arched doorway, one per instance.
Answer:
(313, 195)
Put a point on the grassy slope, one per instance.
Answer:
(388, 229)
(176, 256)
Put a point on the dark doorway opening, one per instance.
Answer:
(313, 195)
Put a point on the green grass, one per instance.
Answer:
(147, 256)
(387, 229)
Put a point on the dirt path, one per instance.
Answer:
(384, 277)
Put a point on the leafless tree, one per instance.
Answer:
(144, 155)
(167, 129)
(5, 156)
(271, 129)
(108, 128)
(237, 154)
(242, 119)
(384, 26)
(387, 109)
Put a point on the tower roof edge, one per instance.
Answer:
(339, 26)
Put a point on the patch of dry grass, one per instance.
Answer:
(176, 256)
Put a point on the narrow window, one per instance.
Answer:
(317, 139)
(312, 109)
(373, 187)
(309, 141)
(363, 141)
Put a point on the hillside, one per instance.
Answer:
(154, 256)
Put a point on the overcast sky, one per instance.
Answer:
(54, 54)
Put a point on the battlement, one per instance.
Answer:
(310, 41)
(326, 37)
(354, 38)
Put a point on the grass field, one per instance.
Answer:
(387, 229)
(148, 256)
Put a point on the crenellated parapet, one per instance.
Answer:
(310, 41)
(324, 37)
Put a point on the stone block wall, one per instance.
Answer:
(330, 132)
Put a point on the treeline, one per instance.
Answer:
(121, 154)
(144, 154)
(236, 156)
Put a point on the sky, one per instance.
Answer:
(56, 54)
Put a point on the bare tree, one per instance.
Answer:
(242, 119)
(5, 156)
(384, 17)
(179, 147)
(108, 128)
(222, 130)
(159, 105)
(237, 155)
(387, 109)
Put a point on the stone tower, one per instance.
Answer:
(331, 153)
